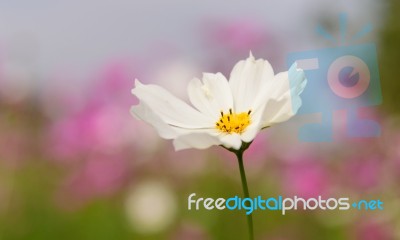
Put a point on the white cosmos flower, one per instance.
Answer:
(224, 112)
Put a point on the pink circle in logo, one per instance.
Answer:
(359, 67)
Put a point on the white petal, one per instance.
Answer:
(170, 109)
(231, 141)
(142, 112)
(251, 132)
(285, 100)
(195, 140)
(276, 112)
(247, 79)
(212, 95)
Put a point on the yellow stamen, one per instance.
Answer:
(231, 122)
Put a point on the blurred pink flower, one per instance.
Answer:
(110, 86)
(362, 173)
(14, 144)
(99, 176)
(95, 129)
(96, 140)
(372, 230)
(389, 146)
(190, 231)
(233, 39)
(306, 177)
(102, 124)
(240, 35)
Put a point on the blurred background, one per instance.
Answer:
(74, 164)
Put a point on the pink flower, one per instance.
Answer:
(102, 124)
(240, 36)
(190, 231)
(99, 176)
(363, 173)
(95, 140)
(372, 230)
(306, 177)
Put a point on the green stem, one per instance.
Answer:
(239, 155)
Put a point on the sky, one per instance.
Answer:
(49, 37)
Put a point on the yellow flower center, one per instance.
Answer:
(233, 122)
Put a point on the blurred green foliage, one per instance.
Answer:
(389, 49)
